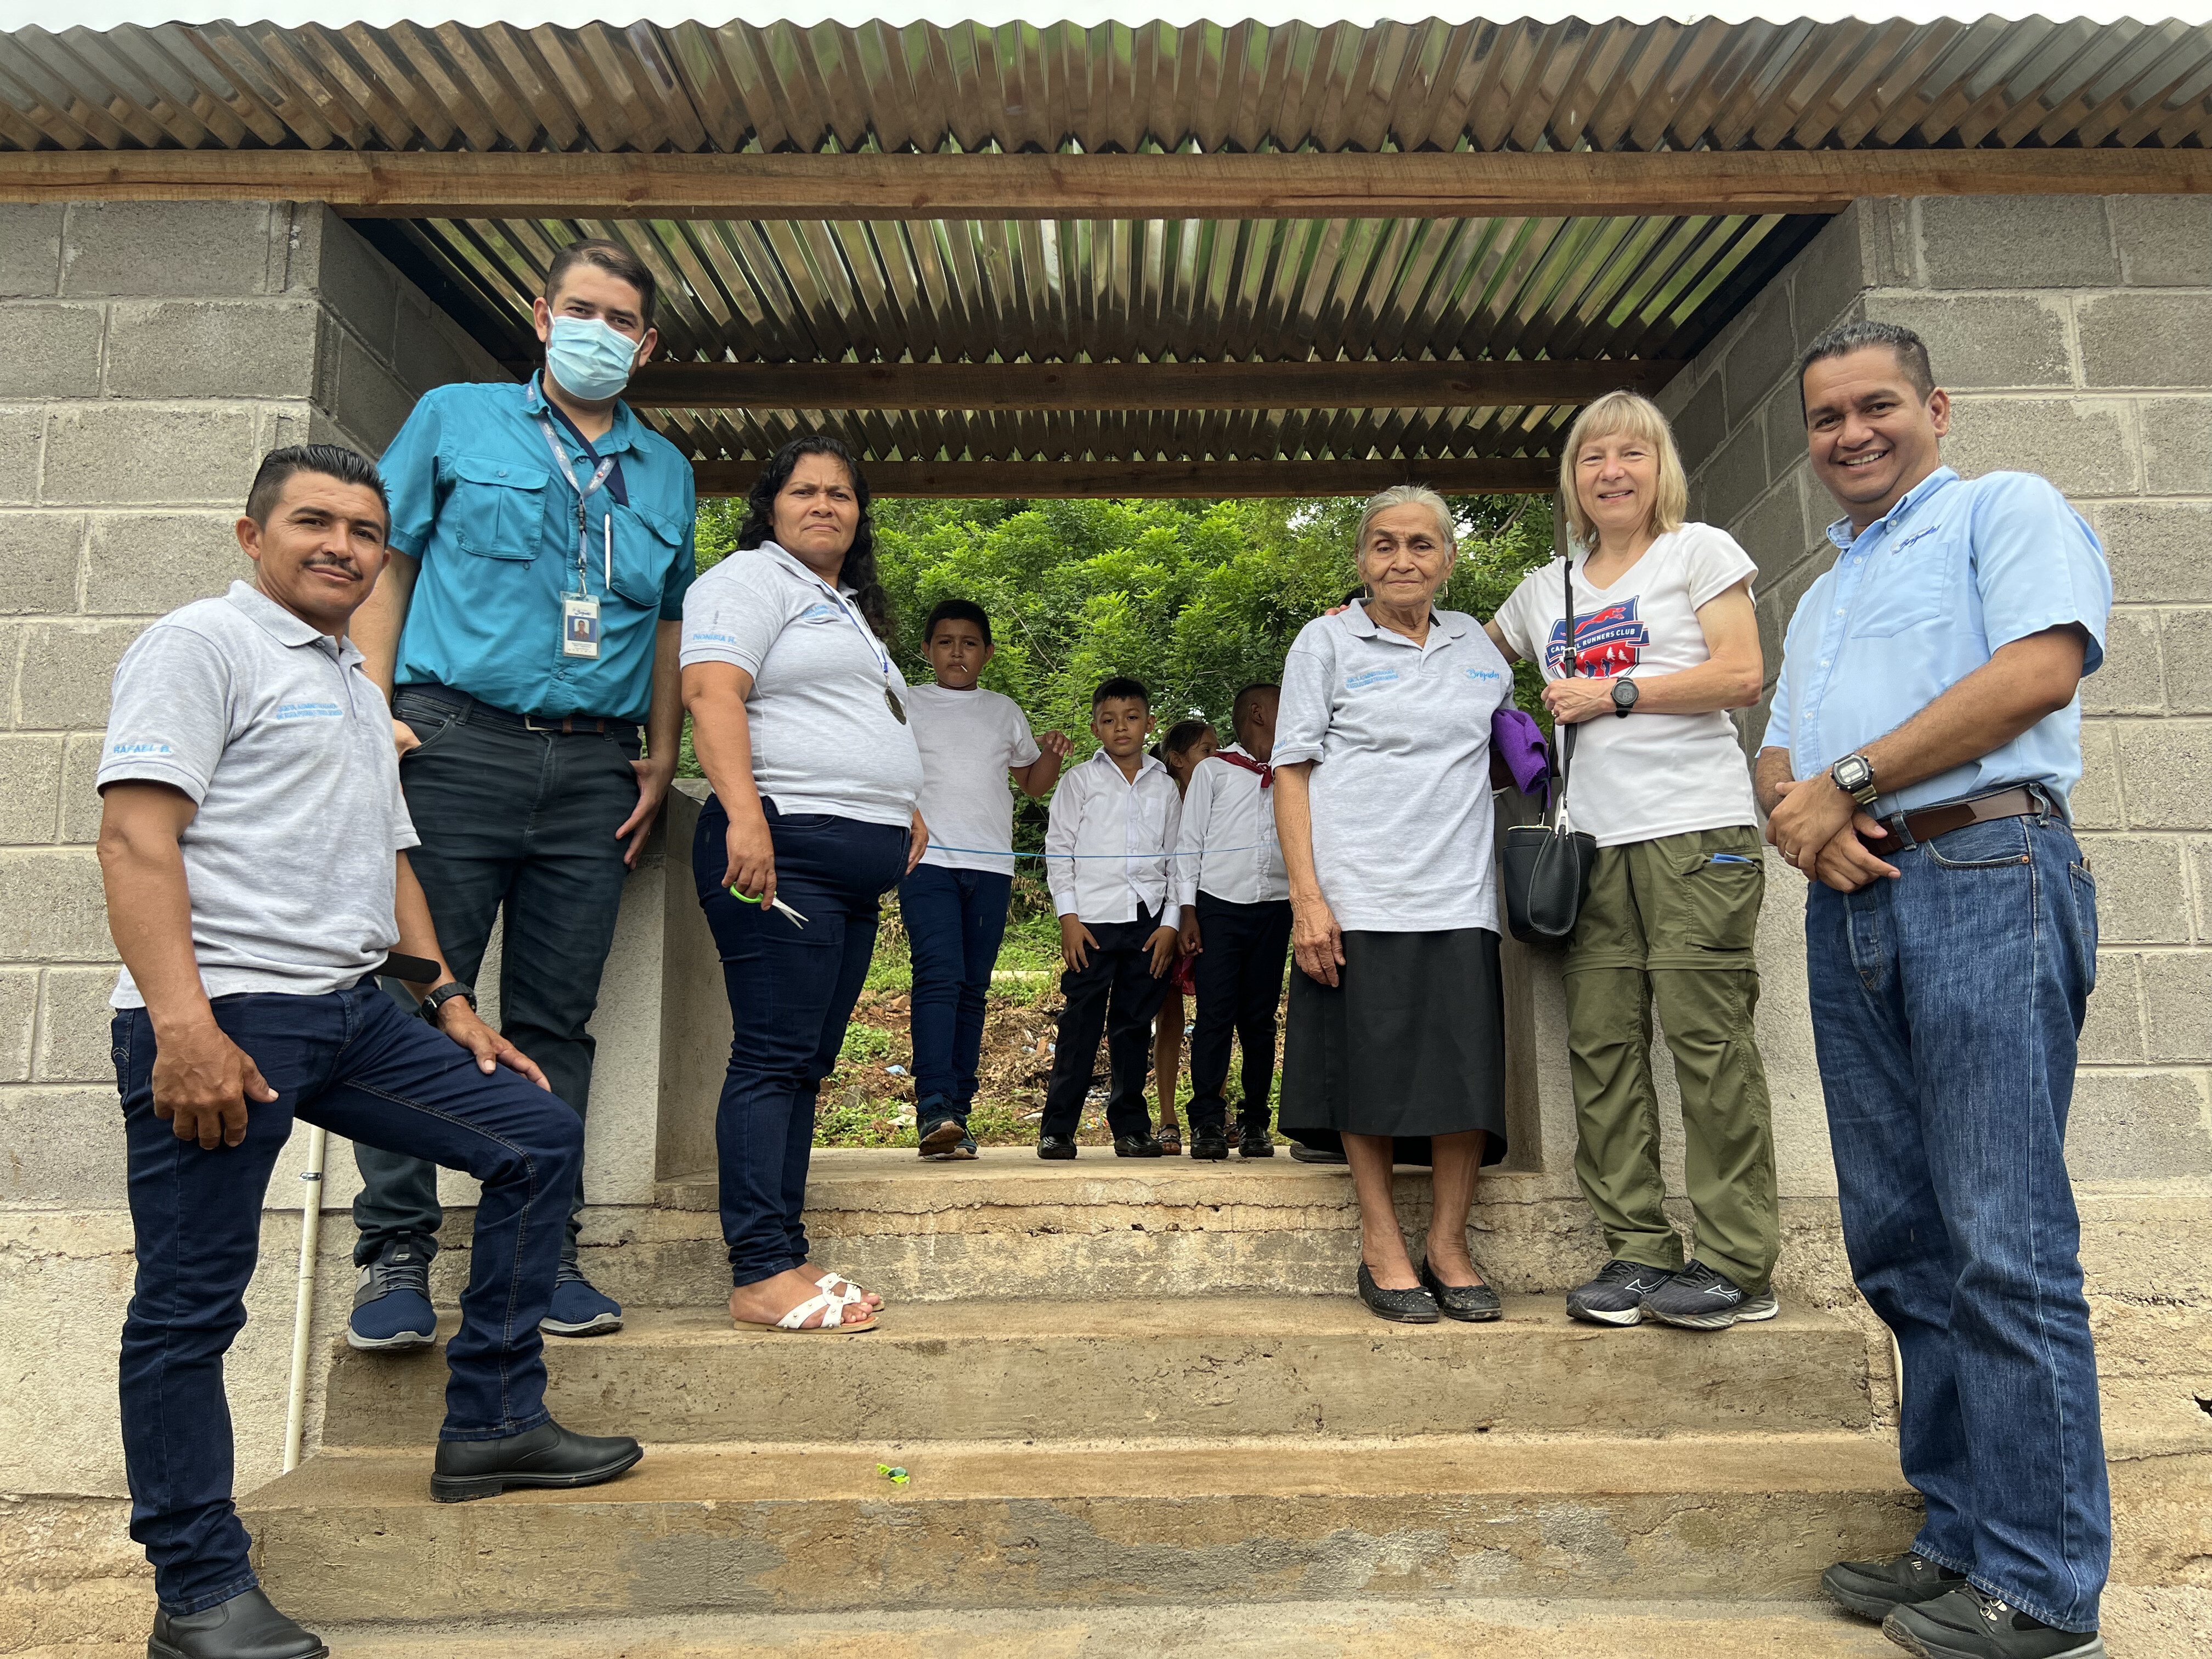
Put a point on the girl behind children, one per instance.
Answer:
(1186, 744)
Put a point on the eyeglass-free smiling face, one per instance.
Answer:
(1617, 482)
(1870, 433)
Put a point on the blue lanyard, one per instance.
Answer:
(584, 493)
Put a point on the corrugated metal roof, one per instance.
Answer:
(1122, 290)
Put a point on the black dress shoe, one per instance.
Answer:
(1144, 1145)
(1471, 1302)
(1305, 1154)
(244, 1627)
(1254, 1143)
(548, 1455)
(1055, 1146)
(1209, 1143)
(1406, 1307)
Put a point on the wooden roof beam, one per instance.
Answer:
(1230, 386)
(1032, 480)
(427, 185)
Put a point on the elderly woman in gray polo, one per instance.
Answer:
(1396, 1022)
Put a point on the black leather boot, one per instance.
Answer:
(244, 1627)
(548, 1455)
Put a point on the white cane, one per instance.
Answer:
(303, 1314)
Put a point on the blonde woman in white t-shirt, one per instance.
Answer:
(1664, 643)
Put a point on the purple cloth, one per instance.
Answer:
(1519, 742)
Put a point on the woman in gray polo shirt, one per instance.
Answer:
(799, 718)
(1396, 1022)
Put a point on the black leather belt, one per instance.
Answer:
(2020, 801)
(474, 710)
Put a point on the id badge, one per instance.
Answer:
(580, 625)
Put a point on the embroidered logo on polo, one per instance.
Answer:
(1372, 677)
(815, 613)
(712, 635)
(1608, 641)
(1917, 536)
(1487, 674)
(308, 711)
(139, 748)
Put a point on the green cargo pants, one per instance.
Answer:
(1664, 921)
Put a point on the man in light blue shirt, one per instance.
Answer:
(1925, 738)
(526, 633)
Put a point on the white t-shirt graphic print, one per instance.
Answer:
(1648, 776)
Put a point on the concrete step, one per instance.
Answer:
(1494, 1629)
(1170, 1369)
(816, 1528)
(1098, 1226)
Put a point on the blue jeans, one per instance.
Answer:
(1946, 1004)
(522, 822)
(792, 990)
(353, 1063)
(955, 920)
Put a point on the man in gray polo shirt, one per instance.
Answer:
(254, 844)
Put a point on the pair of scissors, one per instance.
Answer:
(797, 919)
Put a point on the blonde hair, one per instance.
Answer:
(1404, 494)
(1637, 417)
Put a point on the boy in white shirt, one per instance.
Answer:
(1236, 903)
(954, 901)
(1108, 847)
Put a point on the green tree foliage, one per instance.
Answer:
(1194, 597)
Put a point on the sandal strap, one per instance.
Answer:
(850, 1295)
(831, 1309)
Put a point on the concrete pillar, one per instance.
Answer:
(2074, 334)
(154, 353)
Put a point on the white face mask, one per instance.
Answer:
(591, 360)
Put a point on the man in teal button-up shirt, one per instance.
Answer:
(1926, 733)
(526, 632)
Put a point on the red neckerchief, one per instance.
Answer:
(1265, 772)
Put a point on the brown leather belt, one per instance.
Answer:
(2018, 802)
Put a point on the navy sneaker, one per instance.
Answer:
(392, 1311)
(941, 1139)
(1616, 1295)
(578, 1310)
(1972, 1624)
(1699, 1299)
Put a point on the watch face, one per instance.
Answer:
(1853, 773)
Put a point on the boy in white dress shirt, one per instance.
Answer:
(1235, 903)
(1108, 847)
(954, 901)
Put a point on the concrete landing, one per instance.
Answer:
(1173, 1368)
(817, 1528)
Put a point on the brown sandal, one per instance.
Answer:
(1170, 1139)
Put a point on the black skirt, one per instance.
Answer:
(1410, 1043)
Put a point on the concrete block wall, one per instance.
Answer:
(2074, 335)
(154, 353)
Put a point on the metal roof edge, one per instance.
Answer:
(98, 15)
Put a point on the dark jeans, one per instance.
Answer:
(353, 1063)
(792, 990)
(1240, 983)
(522, 822)
(955, 920)
(1946, 1004)
(1115, 992)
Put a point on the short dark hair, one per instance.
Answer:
(1237, 703)
(613, 258)
(1846, 337)
(956, 611)
(1121, 686)
(332, 460)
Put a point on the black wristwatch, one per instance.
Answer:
(1854, 775)
(1623, 696)
(444, 994)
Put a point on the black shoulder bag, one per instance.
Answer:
(1546, 870)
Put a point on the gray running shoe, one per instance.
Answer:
(1873, 1589)
(1616, 1295)
(1972, 1624)
(1700, 1300)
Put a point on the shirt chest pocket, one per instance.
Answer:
(1907, 588)
(497, 508)
(646, 547)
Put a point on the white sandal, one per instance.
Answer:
(833, 1318)
(852, 1292)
